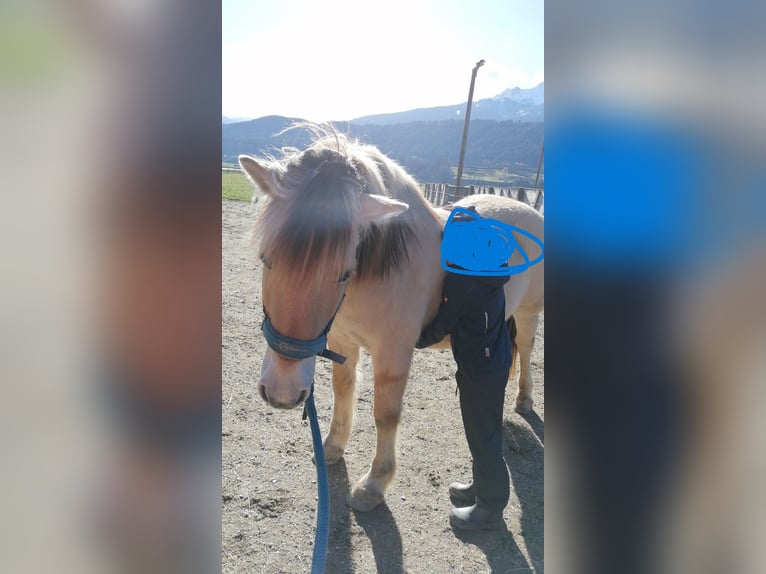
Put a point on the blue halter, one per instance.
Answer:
(298, 348)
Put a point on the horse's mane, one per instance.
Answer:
(308, 224)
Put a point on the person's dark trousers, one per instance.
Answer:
(481, 405)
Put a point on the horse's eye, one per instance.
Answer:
(265, 261)
(346, 276)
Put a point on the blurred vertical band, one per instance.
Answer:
(111, 325)
(655, 290)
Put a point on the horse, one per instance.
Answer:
(351, 248)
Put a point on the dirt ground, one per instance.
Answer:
(269, 481)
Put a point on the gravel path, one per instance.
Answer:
(269, 481)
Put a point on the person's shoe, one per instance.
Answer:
(460, 492)
(476, 518)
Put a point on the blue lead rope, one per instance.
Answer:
(303, 349)
(323, 505)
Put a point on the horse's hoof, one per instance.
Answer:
(332, 454)
(364, 500)
(329, 460)
(523, 406)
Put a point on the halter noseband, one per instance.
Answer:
(298, 348)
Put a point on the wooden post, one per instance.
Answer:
(539, 164)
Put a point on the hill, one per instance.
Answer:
(498, 152)
(228, 120)
(517, 104)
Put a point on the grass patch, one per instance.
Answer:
(523, 176)
(236, 186)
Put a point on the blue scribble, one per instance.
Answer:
(482, 246)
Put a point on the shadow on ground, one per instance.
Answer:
(339, 547)
(524, 451)
(379, 527)
(523, 448)
(503, 555)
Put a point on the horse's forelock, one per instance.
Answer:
(309, 225)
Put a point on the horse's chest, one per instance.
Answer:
(351, 333)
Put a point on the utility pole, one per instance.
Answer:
(478, 65)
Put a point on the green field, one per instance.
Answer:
(236, 186)
(522, 177)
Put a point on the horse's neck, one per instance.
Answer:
(423, 215)
(426, 221)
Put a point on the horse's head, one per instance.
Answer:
(318, 202)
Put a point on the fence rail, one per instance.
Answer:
(443, 193)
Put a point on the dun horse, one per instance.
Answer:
(345, 229)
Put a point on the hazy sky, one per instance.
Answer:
(341, 59)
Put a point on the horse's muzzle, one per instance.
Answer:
(302, 396)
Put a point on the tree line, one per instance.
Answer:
(429, 150)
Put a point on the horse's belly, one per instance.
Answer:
(443, 344)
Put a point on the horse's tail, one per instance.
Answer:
(514, 347)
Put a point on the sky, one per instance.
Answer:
(341, 59)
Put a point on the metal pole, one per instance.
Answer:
(478, 65)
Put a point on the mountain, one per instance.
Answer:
(262, 137)
(503, 146)
(497, 152)
(531, 96)
(517, 104)
(228, 120)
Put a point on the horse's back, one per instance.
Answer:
(527, 289)
(508, 211)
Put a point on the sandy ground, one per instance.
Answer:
(269, 481)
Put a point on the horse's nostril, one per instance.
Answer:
(262, 392)
(303, 396)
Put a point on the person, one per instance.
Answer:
(472, 312)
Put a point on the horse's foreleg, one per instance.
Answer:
(344, 393)
(369, 490)
(526, 326)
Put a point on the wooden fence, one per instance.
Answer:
(442, 193)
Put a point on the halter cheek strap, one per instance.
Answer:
(298, 348)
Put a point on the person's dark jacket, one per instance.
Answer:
(472, 312)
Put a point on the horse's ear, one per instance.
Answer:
(260, 174)
(378, 207)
